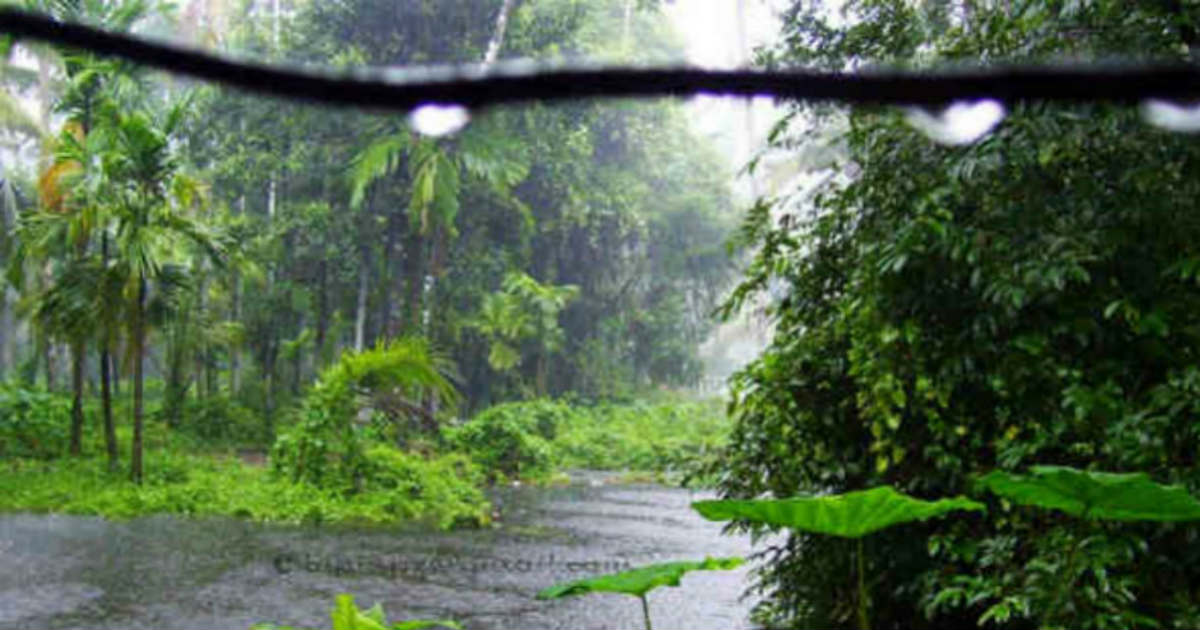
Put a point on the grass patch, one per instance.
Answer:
(652, 442)
(194, 485)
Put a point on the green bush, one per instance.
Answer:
(444, 489)
(668, 437)
(511, 439)
(218, 419)
(529, 439)
(178, 483)
(33, 423)
(327, 445)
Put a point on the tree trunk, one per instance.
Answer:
(322, 315)
(47, 359)
(139, 350)
(77, 350)
(298, 357)
(110, 431)
(235, 352)
(6, 332)
(269, 360)
(386, 328)
(202, 358)
(360, 316)
(497, 41)
(414, 254)
(114, 352)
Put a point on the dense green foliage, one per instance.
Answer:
(269, 276)
(33, 423)
(1044, 588)
(940, 312)
(410, 490)
(530, 439)
(512, 439)
(365, 398)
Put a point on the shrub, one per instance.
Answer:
(512, 439)
(528, 439)
(33, 423)
(327, 446)
(220, 419)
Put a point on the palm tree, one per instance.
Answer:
(150, 195)
(72, 187)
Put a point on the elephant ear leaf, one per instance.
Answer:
(347, 616)
(850, 515)
(639, 581)
(1096, 495)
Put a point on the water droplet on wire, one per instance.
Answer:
(1172, 116)
(439, 120)
(960, 123)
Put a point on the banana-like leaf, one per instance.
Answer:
(347, 616)
(639, 581)
(850, 515)
(1097, 495)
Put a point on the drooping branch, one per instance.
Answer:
(502, 83)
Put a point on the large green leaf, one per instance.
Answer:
(639, 581)
(851, 515)
(1098, 495)
(347, 616)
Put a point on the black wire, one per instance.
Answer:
(509, 83)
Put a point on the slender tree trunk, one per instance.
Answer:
(272, 353)
(298, 357)
(77, 354)
(139, 351)
(6, 332)
(542, 373)
(235, 352)
(627, 28)
(497, 41)
(414, 253)
(386, 329)
(360, 316)
(322, 314)
(46, 350)
(110, 431)
(202, 358)
(115, 364)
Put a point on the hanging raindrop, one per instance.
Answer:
(439, 120)
(1172, 116)
(960, 123)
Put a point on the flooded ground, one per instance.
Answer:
(170, 572)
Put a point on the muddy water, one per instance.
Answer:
(170, 572)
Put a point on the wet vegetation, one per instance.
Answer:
(268, 310)
(977, 406)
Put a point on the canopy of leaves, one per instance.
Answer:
(849, 515)
(639, 581)
(1095, 495)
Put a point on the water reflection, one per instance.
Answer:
(164, 572)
